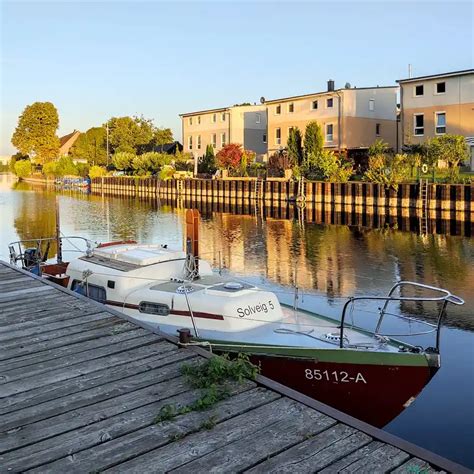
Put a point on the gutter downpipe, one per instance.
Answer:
(339, 120)
(402, 121)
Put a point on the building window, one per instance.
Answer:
(291, 107)
(222, 139)
(329, 103)
(258, 118)
(264, 138)
(371, 105)
(278, 110)
(190, 142)
(440, 87)
(440, 123)
(314, 105)
(190, 120)
(419, 120)
(214, 118)
(419, 90)
(199, 120)
(278, 136)
(214, 140)
(377, 129)
(199, 142)
(223, 116)
(329, 132)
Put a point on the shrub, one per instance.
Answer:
(82, 169)
(167, 172)
(278, 163)
(328, 166)
(294, 146)
(207, 164)
(49, 169)
(230, 156)
(65, 167)
(97, 172)
(23, 168)
(123, 160)
(388, 169)
(313, 141)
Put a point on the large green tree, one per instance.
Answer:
(128, 134)
(35, 134)
(313, 141)
(91, 146)
(294, 146)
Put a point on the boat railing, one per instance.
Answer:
(17, 248)
(443, 299)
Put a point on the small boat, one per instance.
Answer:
(369, 375)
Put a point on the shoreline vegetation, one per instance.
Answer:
(134, 146)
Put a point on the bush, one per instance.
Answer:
(388, 169)
(49, 169)
(123, 160)
(207, 164)
(23, 168)
(327, 166)
(167, 172)
(230, 156)
(277, 164)
(82, 169)
(65, 167)
(97, 172)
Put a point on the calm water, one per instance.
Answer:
(328, 262)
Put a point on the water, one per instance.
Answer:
(328, 262)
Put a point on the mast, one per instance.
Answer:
(58, 233)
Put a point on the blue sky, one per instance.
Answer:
(95, 60)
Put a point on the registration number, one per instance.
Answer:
(335, 376)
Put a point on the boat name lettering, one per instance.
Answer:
(258, 308)
(334, 376)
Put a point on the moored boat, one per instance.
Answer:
(368, 374)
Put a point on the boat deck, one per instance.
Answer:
(81, 386)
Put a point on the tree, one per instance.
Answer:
(207, 164)
(35, 133)
(313, 141)
(294, 146)
(123, 160)
(23, 168)
(379, 147)
(328, 166)
(387, 168)
(92, 146)
(65, 167)
(230, 156)
(449, 148)
(127, 134)
(97, 172)
(16, 157)
(49, 169)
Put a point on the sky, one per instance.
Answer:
(95, 60)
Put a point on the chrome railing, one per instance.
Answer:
(445, 298)
(17, 248)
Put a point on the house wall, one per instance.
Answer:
(457, 102)
(357, 123)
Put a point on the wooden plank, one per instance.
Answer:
(102, 390)
(62, 328)
(38, 316)
(353, 461)
(317, 452)
(123, 448)
(129, 399)
(70, 367)
(17, 294)
(284, 419)
(416, 466)
(31, 353)
(102, 431)
(114, 367)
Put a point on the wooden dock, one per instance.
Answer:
(81, 386)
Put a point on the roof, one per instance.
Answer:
(222, 109)
(435, 76)
(303, 96)
(168, 147)
(63, 140)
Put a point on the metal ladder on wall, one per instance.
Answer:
(301, 193)
(424, 198)
(258, 192)
(179, 187)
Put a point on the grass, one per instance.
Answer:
(212, 378)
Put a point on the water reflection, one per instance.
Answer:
(327, 260)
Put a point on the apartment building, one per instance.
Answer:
(242, 124)
(351, 118)
(438, 104)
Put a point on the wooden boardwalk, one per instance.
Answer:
(81, 386)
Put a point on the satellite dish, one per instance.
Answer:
(348, 85)
(262, 100)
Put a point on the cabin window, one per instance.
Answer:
(94, 292)
(154, 308)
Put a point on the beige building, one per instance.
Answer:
(242, 124)
(351, 118)
(438, 104)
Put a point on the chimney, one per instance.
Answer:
(330, 85)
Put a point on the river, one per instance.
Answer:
(327, 262)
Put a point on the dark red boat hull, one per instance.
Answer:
(375, 394)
